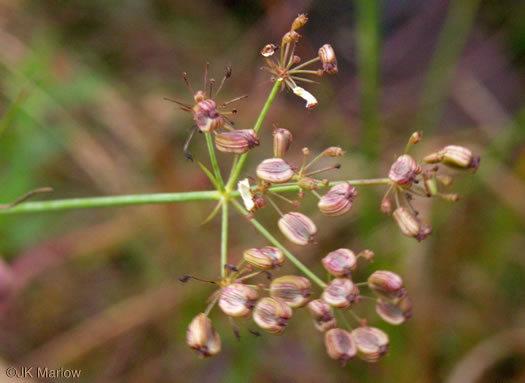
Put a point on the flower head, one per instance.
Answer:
(288, 67)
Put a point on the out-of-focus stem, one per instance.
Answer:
(367, 23)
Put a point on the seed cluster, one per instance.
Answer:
(272, 313)
(410, 179)
(270, 304)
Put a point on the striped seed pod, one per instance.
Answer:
(237, 300)
(282, 139)
(298, 228)
(207, 117)
(341, 292)
(340, 345)
(387, 285)
(264, 258)
(272, 315)
(395, 314)
(322, 314)
(459, 157)
(407, 222)
(404, 170)
(340, 263)
(201, 336)
(237, 141)
(275, 170)
(292, 289)
(328, 59)
(338, 200)
(371, 343)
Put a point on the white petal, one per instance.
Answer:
(246, 193)
(311, 102)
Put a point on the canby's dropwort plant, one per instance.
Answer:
(271, 303)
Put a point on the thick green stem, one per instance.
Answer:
(224, 239)
(266, 234)
(235, 172)
(123, 200)
(214, 163)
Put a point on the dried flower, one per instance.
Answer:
(366, 254)
(298, 228)
(237, 141)
(340, 263)
(201, 336)
(207, 117)
(371, 343)
(341, 292)
(237, 300)
(327, 56)
(338, 200)
(404, 170)
(268, 50)
(264, 258)
(415, 138)
(246, 194)
(333, 151)
(323, 315)
(387, 285)
(340, 345)
(275, 170)
(292, 289)
(311, 101)
(282, 139)
(299, 21)
(386, 206)
(395, 314)
(272, 315)
(290, 37)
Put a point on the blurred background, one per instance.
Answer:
(82, 110)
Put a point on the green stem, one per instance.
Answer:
(213, 159)
(266, 234)
(224, 239)
(235, 172)
(158, 198)
(123, 200)
(295, 187)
